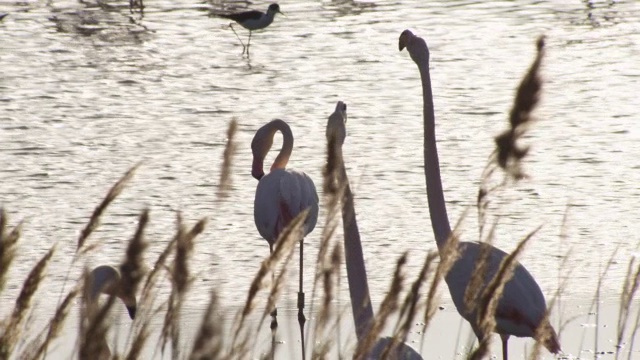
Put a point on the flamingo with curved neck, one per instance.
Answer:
(356, 271)
(521, 310)
(281, 195)
(106, 279)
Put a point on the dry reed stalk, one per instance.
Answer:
(171, 315)
(227, 160)
(284, 246)
(509, 153)
(141, 337)
(476, 285)
(629, 289)
(132, 268)
(330, 275)
(56, 324)
(410, 307)
(596, 300)
(13, 330)
(113, 193)
(209, 339)
(158, 265)
(448, 257)
(7, 246)
(181, 281)
(488, 302)
(388, 306)
(94, 324)
(542, 333)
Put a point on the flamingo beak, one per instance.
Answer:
(256, 169)
(404, 39)
(132, 311)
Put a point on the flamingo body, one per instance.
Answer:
(522, 308)
(281, 195)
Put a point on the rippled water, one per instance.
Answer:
(86, 92)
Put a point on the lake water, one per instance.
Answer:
(86, 93)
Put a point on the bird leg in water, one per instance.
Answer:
(243, 46)
(249, 43)
(274, 314)
(301, 318)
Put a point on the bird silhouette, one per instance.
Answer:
(521, 310)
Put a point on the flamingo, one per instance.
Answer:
(281, 195)
(522, 309)
(356, 270)
(106, 279)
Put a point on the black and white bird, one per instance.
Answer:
(252, 20)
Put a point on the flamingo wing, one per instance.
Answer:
(282, 195)
(298, 192)
(521, 307)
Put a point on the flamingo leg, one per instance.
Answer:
(504, 338)
(301, 318)
(274, 315)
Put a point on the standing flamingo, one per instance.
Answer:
(356, 270)
(522, 309)
(281, 195)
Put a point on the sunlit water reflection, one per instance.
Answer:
(86, 93)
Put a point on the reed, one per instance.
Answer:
(8, 241)
(56, 324)
(94, 220)
(230, 150)
(387, 308)
(15, 323)
(209, 339)
(284, 246)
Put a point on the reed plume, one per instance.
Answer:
(284, 246)
(509, 152)
(488, 301)
(13, 329)
(8, 241)
(388, 306)
(57, 323)
(227, 160)
(209, 339)
(113, 193)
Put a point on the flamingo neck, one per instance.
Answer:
(435, 195)
(287, 144)
(356, 270)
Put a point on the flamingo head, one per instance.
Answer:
(336, 126)
(130, 303)
(260, 146)
(106, 279)
(416, 46)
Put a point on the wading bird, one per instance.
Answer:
(106, 279)
(356, 270)
(252, 20)
(521, 309)
(281, 195)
